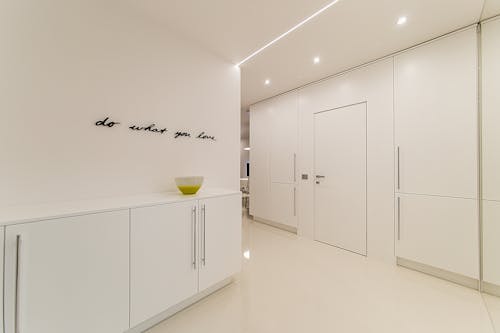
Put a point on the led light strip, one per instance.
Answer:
(286, 33)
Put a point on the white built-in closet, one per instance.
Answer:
(422, 153)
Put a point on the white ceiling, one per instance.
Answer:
(348, 34)
(232, 29)
(351, 33)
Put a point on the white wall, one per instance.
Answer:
(66, 64)
(372, 84)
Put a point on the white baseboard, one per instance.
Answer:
(276, 225)
(490, 288)
(176, 308)
(439, 273)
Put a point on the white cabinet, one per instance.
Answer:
(219, 239)
(163, 258)
(436, 117)
(180, 249)
(70, 267)
(440, 232)
(68, 275)
(273, 159)
(436, 132)
(491, 109)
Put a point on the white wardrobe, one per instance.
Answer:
(434, 95)
(436, 154)
(273, 160)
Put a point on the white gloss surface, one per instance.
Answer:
(296, 285)
(493, 304)
(30, 213)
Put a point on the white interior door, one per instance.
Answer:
(340, 171)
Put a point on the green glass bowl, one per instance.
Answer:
(189, 185)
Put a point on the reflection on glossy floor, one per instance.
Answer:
(493, 304)
(294, 285)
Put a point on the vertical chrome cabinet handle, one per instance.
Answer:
(294, 167)
(203, 258)
(294, 201)
(193, 223)
(399, 176)
(18, 283)
(399, 218)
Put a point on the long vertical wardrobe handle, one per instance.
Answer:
(193, 225)
(294, 167)
(398, 165)
(399, 218)
(294, 201)
(17, 308)
(204, 253)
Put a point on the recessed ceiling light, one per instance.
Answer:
(267, 82)
(402, 20)
(246, 148)
(316, 60)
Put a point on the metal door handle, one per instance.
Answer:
(399, 178)
(294, 167)
(193, 224)
(319, 176)
(399, 218)
(294, 201)
(18, 284)
(203, 258)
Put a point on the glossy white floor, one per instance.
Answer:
(293, 285)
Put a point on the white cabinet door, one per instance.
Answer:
(163, 258)
(439, 231)
(491, 109)
(283, 118)
(220, 239)
(283, 200)
(259, 182)
(72, 275)
(273, 159)
(1, 277)
(491, 243)
(436, 117)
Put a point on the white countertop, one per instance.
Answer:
(31, 213)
